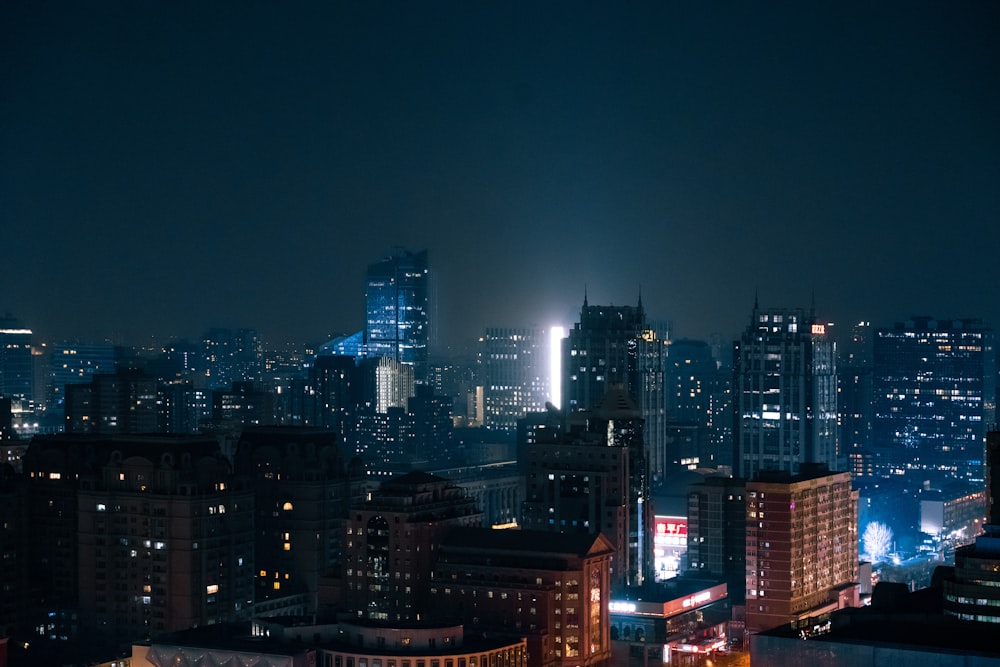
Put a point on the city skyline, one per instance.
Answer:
(169, 168)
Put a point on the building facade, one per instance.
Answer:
(523, 583)
(391, 539)
(614, 346)
(784, 393)
(801, 546)
(935, 398)
(396, 310)
(513, 373)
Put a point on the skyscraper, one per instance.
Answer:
(396, 310)
(784, 393)
(614, 346)
(513, 375)
(855, 403)
(935, 397)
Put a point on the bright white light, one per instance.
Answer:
(556, 335)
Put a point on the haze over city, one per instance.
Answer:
(166, 167)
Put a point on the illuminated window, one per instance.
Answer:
(277, 585)
(287, 507)
(287, 546)
(212, 588)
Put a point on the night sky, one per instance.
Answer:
(170, 166)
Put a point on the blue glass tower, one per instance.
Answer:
(396, 310)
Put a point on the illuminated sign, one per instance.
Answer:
(622, 606)
(704, 596)
(819, 329)
(671, 526)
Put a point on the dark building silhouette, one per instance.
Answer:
(855, 370)
(134, 536)
(614, 346)
(717, 523)
(391, 540)
(585, 472)
(242, 405)
(935, 398)
(123, 402)
(784, 393)
(14, 532)
(303, 485)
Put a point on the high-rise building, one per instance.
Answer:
(935, 398)
(801, 546)
(585, 472)
(614, 346)
(17, 380)
(697, 393)
(717, 521)
(396, 310)
(303, 487)
(125, 401)
(784, 393)
(391, 540)
(231, 355)
(76, 363)
(854, 367)
(513, 374)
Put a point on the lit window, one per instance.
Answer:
(212, 588)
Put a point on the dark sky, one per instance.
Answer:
(170, 166)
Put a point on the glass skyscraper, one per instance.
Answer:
(396, 310)
(935, 398)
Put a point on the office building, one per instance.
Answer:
(692, 386)
(801, 546)
(16, 368)
(242, 404)
(391, 540)
(585, 472)
(513, 372)
(614, 346)
(784, 393)
(396, 310)
(935, 398)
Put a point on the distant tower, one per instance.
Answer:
(16, 368)
(784, 393)
(935, 397)
(513, 375)
(396, 310)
